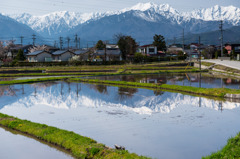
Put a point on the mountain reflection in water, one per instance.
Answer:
(153, 123)
(73, 95)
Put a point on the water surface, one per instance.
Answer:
(151, 123)
(14, 146)
(204, 80)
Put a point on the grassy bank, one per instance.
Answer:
(118, 72)
(79, 146)
(231, 150)
(95, 67)
(214, 92)
(32, 80)
(211, 92)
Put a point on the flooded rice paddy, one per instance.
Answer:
(14, 145)
(152, 123)
(204, 80)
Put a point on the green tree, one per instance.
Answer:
(20, 56)
(233, 54)
(127, 46)
(159, 42)
(100, 45)
(138, 57)
(217, 54)
(225, 52)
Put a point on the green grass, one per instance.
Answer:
(206, 63)
(214, 92)
(118, 72)
(32, 80)
(227, 69)
(79, 146)
(156, 65)
(230, 151)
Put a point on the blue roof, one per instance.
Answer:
(78, 52)
(59, 52)
(35, 53)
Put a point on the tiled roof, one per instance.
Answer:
(78, 52)
(59, 52)
(35, 53)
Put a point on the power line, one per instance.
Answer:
(183, 40)
(61, 42)
(33, 38)
(21, 37)
(76, 40)
(68, 40)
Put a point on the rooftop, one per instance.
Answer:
(59, 52)
(78, 52)
(35, 53)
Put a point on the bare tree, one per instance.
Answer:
(1, 50)
(37, 48)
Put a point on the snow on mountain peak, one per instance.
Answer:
(228, 13)
(143, 6)
(57, 22)
(151, 6)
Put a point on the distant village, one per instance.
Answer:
(102, 52)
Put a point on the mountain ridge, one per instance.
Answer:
(157, 19)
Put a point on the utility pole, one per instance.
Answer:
(199, 40)
(183, 41)
(79, 43)
(33, 38)
(105, 51)
(21, 37)
(68, 39)
(61, 42)
(221, 30)
(76, 41)
(55, 43)
(174, 40)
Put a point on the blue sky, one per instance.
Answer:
(40, 7)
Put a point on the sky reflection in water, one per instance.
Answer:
(153, 123)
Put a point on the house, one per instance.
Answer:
(148, 49)
(14, 50)
(62, 55)
(111, 55)
(83, 54)
(175, 49)
(50, 49)
(39, 56)
(231, 47)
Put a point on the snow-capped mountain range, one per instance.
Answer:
(143, 17)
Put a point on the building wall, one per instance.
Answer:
(41, 57)
(31, 58)
(66, 56)
(174, 49)
(151, 48)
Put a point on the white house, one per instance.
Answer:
(113, 53)
(148, 49)
(175, 49)
(39, 56)
(62, 55)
